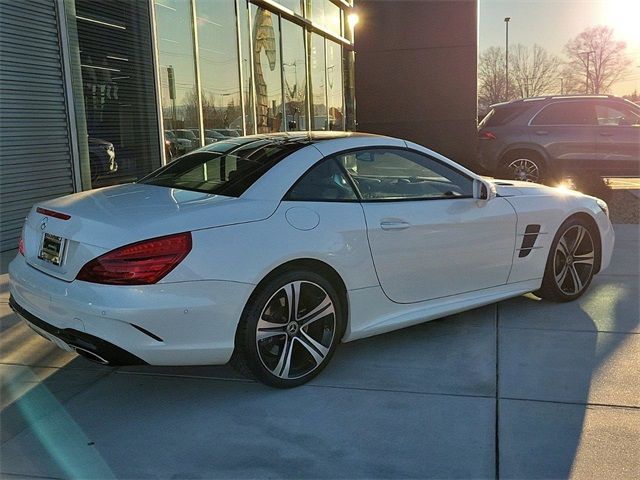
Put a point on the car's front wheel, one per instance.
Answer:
(571, 262)
(290, 329)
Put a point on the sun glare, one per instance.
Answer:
(622, 16)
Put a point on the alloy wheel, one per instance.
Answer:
(573, 260)
(524, 170)
(296, 330)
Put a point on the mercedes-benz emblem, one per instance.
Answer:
(43, 224)
(292, 328)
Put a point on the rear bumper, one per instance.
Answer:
(90, 347)
(184, 323)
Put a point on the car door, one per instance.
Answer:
(618, 138)
(568, 132)
(429, 237)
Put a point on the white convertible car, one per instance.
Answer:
(271, 250)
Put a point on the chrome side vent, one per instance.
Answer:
(528, 240)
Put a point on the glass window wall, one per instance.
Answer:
(117, 118)
(326, 14)
(294, 5)
(267, 70)
(219, 69)
(178, 90)
(317, 80)
(335, 86)
(247, 69)
(294, 73)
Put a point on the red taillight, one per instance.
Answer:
(21, 243)
(140, 263)
(51, 213)
(484, 135)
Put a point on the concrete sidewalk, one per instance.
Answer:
(521, 389)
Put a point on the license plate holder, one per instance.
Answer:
(52, 248)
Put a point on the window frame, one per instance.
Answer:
(592, 106)
(359, 198)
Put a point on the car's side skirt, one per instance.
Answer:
(372, 313)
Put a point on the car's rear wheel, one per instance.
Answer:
(290, 329)
(523, 166)
(571, 262)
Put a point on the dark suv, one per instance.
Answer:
(540, 139)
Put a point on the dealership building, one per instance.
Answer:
(101, 92)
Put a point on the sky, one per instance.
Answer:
(551, 23)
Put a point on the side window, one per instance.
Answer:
(609, 115)
(324, 182)
(566, 113)
(390, 174)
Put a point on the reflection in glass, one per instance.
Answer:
(327, 15)
(119, 134)
(315, 11)
(267, 70)
(319, 120)
(179, 97)
(293, 5)
(219, 75)
(294, 69)
(335, 96)
(247, 77)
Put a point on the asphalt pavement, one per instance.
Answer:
(521, 389)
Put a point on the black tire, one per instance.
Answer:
(265, 359)
(564, 274)
(524, 166)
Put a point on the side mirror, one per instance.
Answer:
(483, 190)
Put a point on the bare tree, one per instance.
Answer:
(491, 77)
(596, 60)
(534, 71)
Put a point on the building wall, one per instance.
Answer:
(35, 151)
(416, 72)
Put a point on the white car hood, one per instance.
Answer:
(510, 188)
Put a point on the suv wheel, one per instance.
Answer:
(523, 167)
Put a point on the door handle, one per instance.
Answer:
(542, 132)
(394, 225)
(606, 134)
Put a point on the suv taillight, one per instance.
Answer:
(140, 263)
(485, 135)
(21, 250)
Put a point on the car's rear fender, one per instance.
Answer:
(330, 232)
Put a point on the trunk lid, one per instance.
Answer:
(111, 217)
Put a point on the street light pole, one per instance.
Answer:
(506, 58)
(588, 54)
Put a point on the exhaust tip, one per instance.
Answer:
(89, 355)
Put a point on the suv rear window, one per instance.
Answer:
(229, 174)
(502, 115)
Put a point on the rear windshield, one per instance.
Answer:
(502, 115)
(222, 173)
